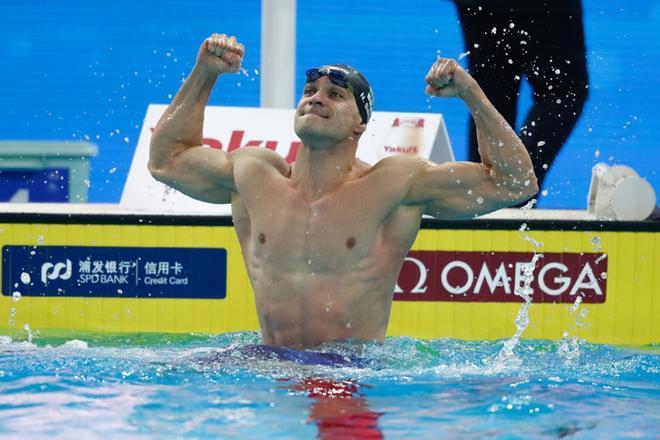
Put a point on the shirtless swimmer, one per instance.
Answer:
(324, 238)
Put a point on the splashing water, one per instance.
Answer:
(150, 385)
(506, 358)
(25, 278)
(529, 205)
(27, 328)
(568, 347)
(596, 245)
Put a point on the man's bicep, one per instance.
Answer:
(456, 190)
(202, 173)
(435, 182)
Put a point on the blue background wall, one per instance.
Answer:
(81, 70)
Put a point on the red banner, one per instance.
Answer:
(495, 276)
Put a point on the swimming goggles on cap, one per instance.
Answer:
(335, 76)
(348, 78)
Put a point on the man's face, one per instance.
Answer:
(327, 111)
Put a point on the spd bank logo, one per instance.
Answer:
(50, 271)
(115, 272)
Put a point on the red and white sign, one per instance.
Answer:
(495, 276)
(229, 128)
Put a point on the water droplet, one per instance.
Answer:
(113, 170)
(480, 200)
(16, 296)
(597, 153)
(348, 324)
(603, 275)
(25, 278)
(119, 291)
(26, 327)
(540, 143)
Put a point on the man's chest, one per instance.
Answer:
(289, 228)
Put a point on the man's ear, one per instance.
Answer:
(359, 129)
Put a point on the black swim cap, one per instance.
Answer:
(348, 77)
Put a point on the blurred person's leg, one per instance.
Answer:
(533, 39)
(486, 34)
(555, 66)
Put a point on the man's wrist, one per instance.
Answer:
(471, 91)
(204, 74)
(474, 98)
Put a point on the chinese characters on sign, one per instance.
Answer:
(114, 271)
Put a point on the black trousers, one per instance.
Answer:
(546, 46)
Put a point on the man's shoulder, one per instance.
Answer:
(255, 157)
(394, 175)
(399, 163)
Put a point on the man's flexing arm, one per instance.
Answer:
(456, 190)
(176, 155)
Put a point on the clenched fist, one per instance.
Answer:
(446, 78)
(221, 54)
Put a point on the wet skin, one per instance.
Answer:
(323, 268)
(324, 238)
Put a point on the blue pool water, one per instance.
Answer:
(196, 386)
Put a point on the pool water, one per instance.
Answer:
(198, 386)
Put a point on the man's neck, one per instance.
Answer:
(320, 170)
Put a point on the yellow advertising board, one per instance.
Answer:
(185, 274)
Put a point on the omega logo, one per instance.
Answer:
(495, 276)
